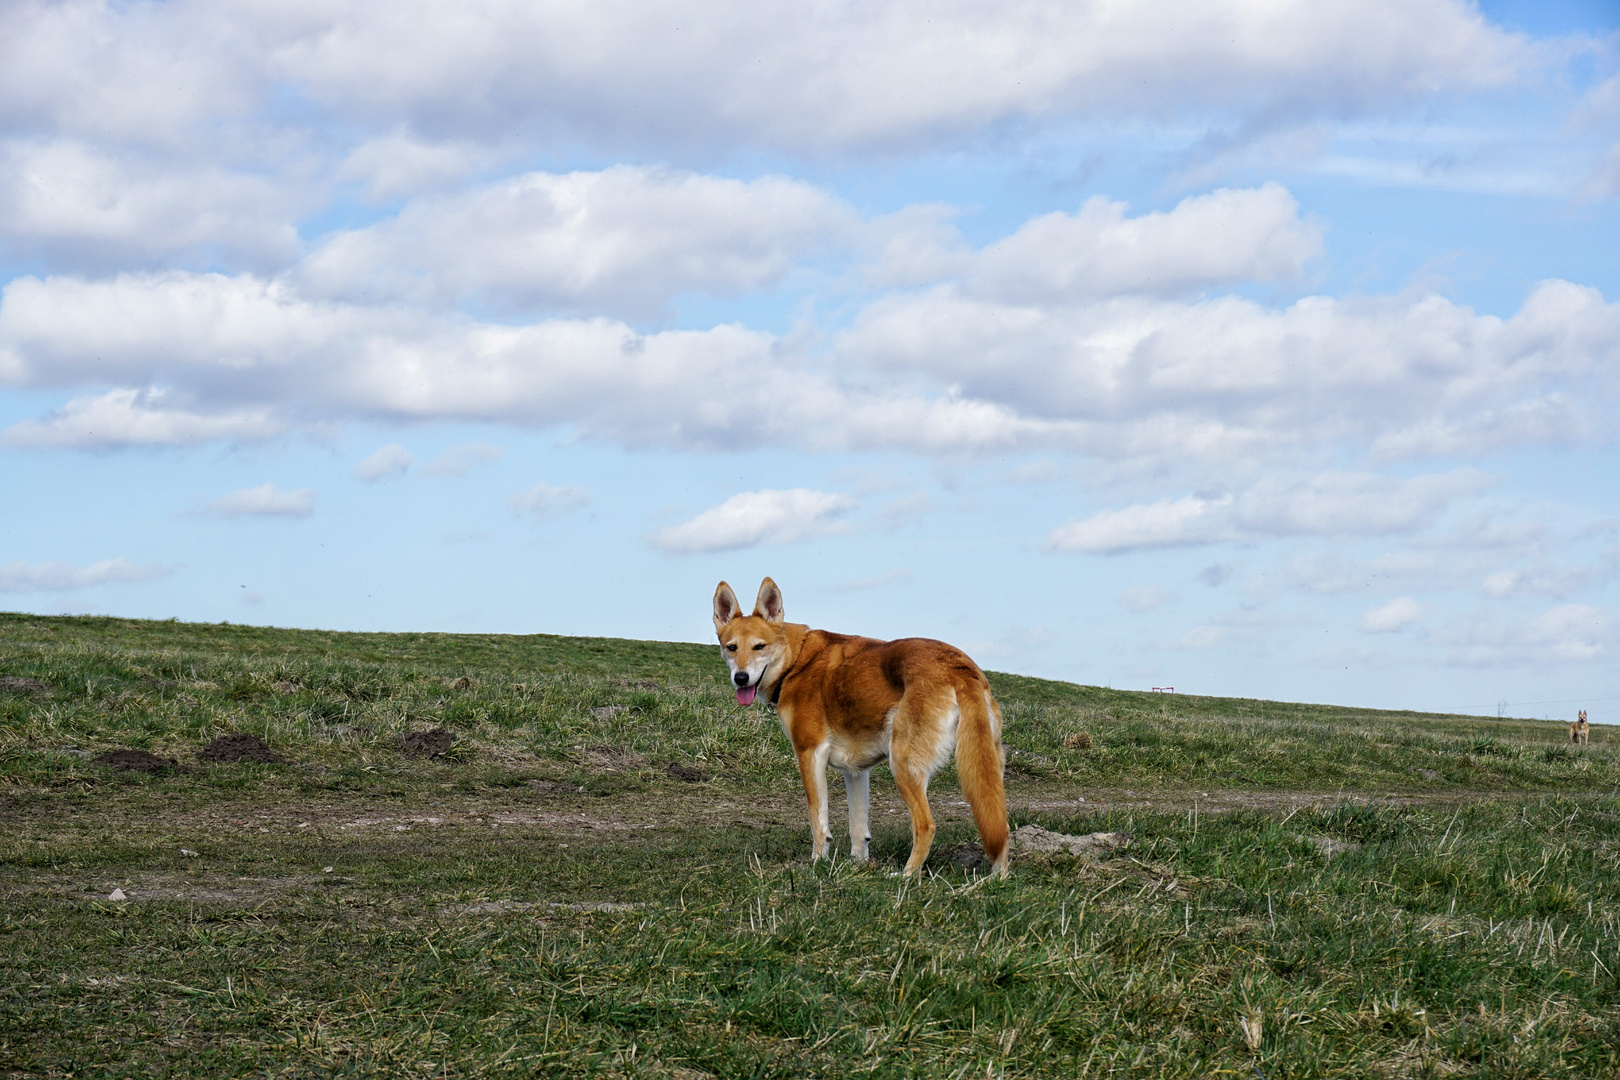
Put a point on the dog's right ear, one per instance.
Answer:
(726, 607)
(769, 604)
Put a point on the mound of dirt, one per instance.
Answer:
(237, 747)
(16, 684)
(687, 773)
(1034, 840)
(435, 742)
(135, 761)
(463, 683)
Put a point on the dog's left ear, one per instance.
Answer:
(769, 604)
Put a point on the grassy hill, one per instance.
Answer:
(550, 706)
(606, 874)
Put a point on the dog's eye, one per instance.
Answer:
(759, 646)
(732, 647)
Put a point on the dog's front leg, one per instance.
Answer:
(813, 770)
(858, 788)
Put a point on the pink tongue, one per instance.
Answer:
(745, 696)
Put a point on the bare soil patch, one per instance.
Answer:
(239, 747)
(16, 684)
(435, 742)
(135, 761)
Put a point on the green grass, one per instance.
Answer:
(483, 917)
(549, 706)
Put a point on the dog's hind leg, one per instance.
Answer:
(924, 733)
(858, 788)
(913, 785)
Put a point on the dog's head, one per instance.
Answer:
(754, 645)
(1582, 720)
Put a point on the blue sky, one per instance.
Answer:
(1260, 350)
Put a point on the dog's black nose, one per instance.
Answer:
(740, 678)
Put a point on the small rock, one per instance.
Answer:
(326, 869)
(117, 895)
(435, 742)
(188, 853)
(1034, 840)
(1328, 847)
(687, 773)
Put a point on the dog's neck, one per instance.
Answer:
(795, 634)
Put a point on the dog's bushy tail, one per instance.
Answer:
(979, 764)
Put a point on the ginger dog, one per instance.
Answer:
(850, 702)
(1580, 731)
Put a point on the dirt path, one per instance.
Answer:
(629, 814)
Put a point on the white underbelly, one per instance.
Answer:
(848, 754)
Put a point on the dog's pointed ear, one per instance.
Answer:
(726, 607)
(769, 604)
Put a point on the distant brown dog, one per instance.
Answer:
(851, 701)
(1580, 731)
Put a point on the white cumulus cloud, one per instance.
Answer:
(266, 500)
(63, 577)
(625, 239)
(872, 74)
(1140, 598)
(772, 74)
(757, 517)
(546, 501)
(385, 463)
(460, 460)
(1397, 614)
(1228, 377)
(1222, 238)
(1569, 633)
(96, 208)
(1329, 504)
(139, 417)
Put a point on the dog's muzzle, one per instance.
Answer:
(745, 693)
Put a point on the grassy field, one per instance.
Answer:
(607, 875)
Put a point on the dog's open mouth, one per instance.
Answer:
(745, 694)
